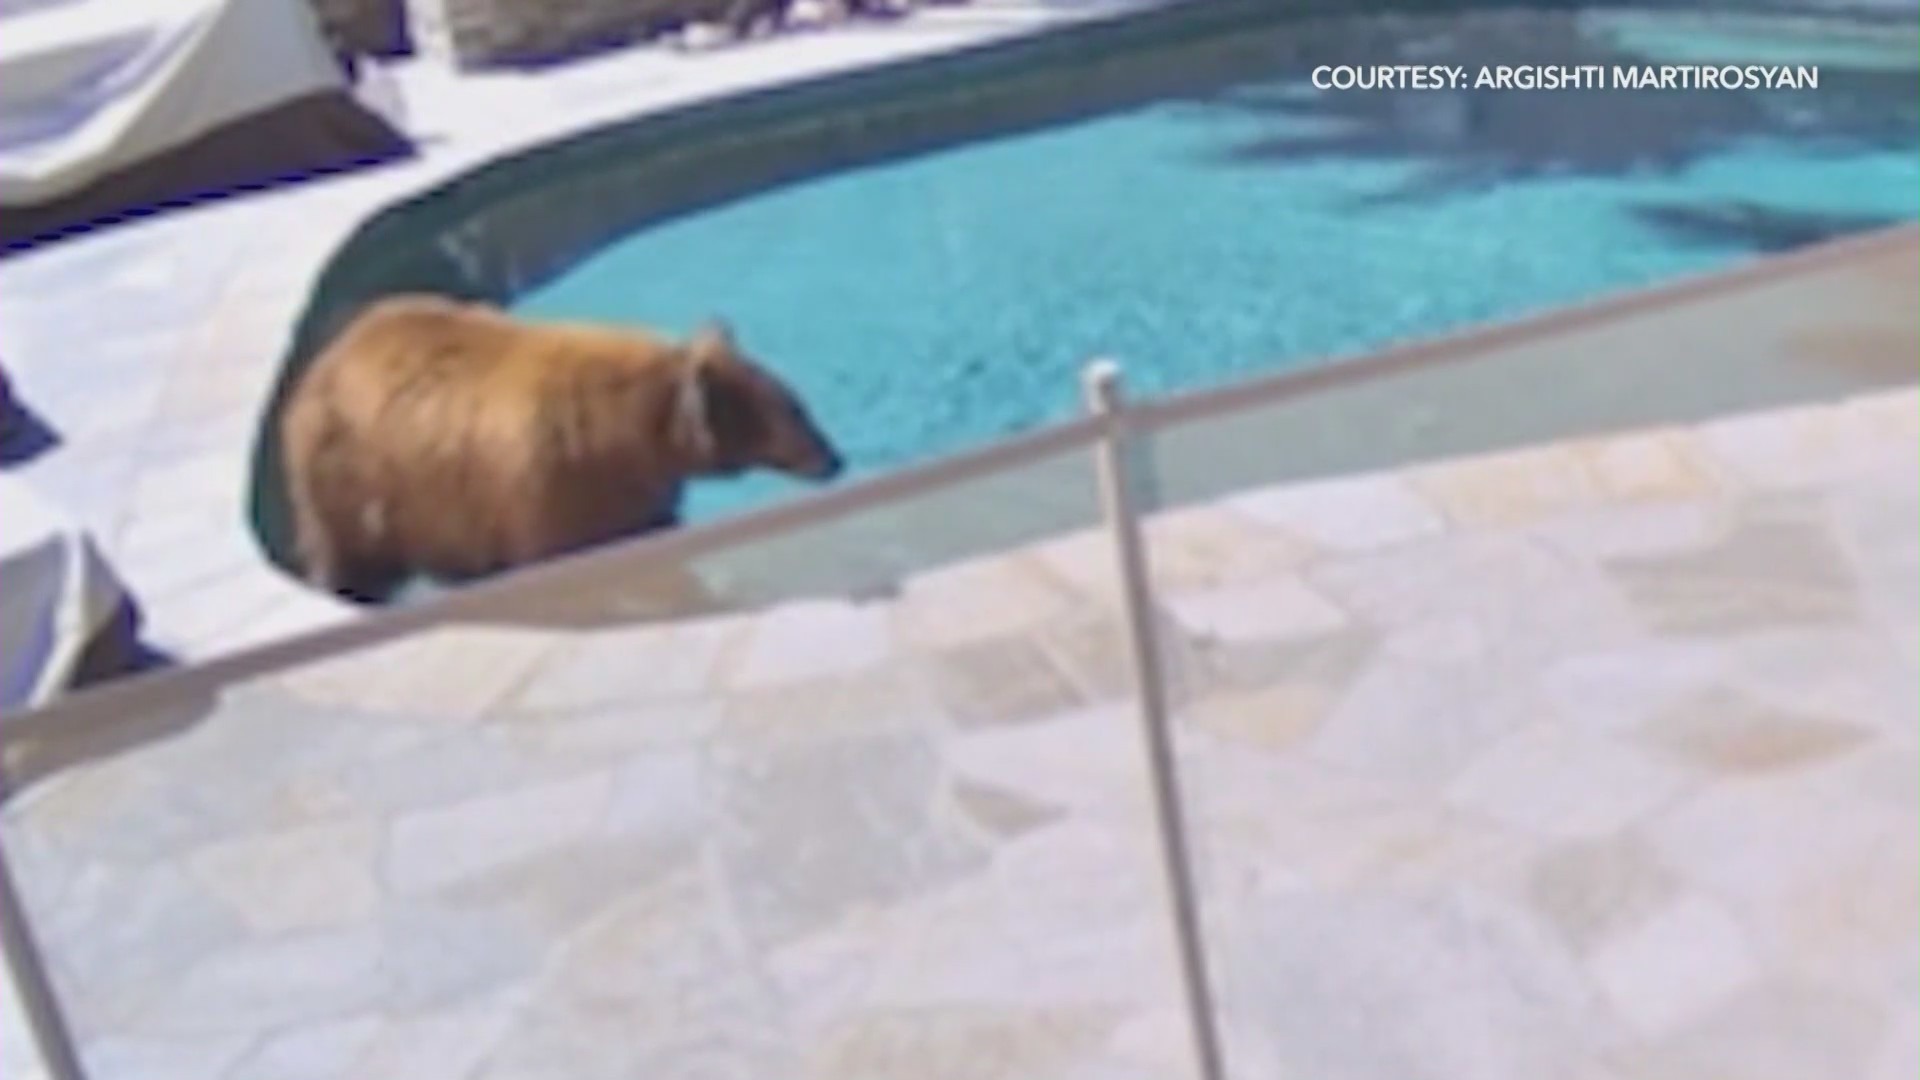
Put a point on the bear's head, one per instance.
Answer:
(731, 414)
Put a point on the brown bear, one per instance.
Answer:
(452, 440)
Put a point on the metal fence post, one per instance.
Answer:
(33, 991)
(1101, 382)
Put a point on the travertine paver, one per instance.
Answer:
(430, 849)
(1622, 788)
(1676, 966)
(629, 667)
(1279, 608)
(1557, 780)
(446, 672)
(978, 601)
(299, 879)
(801, 641)
(1653, 467)
(1345, 515)
(318, 1050)
(1386, 985)
(1513, 488)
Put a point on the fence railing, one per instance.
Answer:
(118, 714)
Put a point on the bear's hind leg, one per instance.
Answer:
(360, 581)
(320, 563)
(327, 566)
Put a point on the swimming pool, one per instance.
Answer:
(1243, 222)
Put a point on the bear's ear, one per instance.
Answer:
(712, 341)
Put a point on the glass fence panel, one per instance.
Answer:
(1647, 361)
(1388, 821)
(1471, 713)
(899, 834)
(866, 553)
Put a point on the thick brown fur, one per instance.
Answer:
(450, 440)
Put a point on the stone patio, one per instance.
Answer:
(1592, 760)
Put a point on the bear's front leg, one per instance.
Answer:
(365, 581)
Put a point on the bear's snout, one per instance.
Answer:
(820, 464)
(808, 453)
(829, 465)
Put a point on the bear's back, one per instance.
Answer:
(438, 366)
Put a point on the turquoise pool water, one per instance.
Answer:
(1254, 225)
